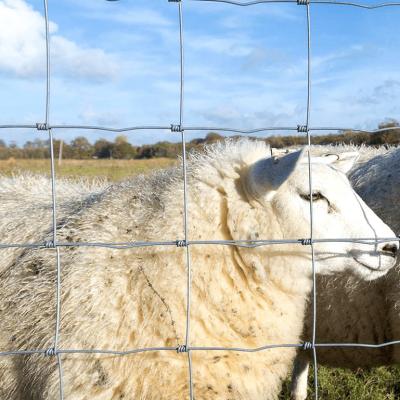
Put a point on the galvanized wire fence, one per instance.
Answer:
(185, 242)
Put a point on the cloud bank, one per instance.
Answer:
(22, 48)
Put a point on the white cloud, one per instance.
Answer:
(328, 60)
(90, 115)
(121, 13)
(232, 18)
(361, 98)
(388, 90)
(135, 17)
(79, 62)
(22, 47)
(232, 46)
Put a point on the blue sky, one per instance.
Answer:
(117, 64)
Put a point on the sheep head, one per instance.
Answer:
(278, 197)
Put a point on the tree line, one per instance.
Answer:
(120, 148)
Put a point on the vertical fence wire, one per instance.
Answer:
(185, 198)
(54, 350)
(57, 333)
(314, 280)
(47, 38)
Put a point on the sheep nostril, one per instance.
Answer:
(391, 248)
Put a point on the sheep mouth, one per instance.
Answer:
(366, 265)
(382, 265)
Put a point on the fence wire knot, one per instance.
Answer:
(303, 2)
(307, 346)
(181, 349)
(51, 352)
(41, 126)
(302, 128)
(306, 242)
(49, 244)
(176, 128)
(181, 243)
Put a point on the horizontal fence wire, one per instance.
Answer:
(183, 243)
(302, 2)
(302, 345)
(180, 128)
(196, 128)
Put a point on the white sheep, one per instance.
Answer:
(136, 298)
(350, 310)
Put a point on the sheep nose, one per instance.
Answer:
(392, 248)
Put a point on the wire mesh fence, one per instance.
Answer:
(304, 127)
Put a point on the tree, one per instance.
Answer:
(122, 148)
(120, 139)
(81, 148)
(103, 148)
(213, 137)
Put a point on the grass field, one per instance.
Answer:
(334, 384)
(112, 170)
(381, 383)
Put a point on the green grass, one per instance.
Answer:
(381, 383)
(113, 170)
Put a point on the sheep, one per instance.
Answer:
(24, 196)
(350, 310)
(31, 194)
(136, 298)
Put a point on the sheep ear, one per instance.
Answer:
(267, 175)
(344, 161)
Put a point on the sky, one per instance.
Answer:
(117, 64)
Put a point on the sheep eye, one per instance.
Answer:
(315, 196)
